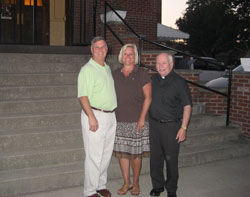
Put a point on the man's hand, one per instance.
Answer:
(181, 135)
(93, 124)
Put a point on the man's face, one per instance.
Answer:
(99, 51)
(162, 65)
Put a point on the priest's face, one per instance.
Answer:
(163, 64)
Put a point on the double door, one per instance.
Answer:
(24, 22)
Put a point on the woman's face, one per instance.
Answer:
(128, 57)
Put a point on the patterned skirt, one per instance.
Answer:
(129, 143)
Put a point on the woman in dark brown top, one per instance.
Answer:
(133, 89)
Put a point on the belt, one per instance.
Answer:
(106, 111)
(165, 120)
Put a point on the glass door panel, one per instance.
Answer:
(8, 21)
(22, 23)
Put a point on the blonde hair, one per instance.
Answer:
(122, 51)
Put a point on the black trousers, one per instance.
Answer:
(164, 147)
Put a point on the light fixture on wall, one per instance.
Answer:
(31, 2)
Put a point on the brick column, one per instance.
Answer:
(240, 111)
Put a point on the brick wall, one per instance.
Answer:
(215, 103)
(142, 16)
(240, 111)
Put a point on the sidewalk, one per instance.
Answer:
(228, 178)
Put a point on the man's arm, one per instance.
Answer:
(181, 135)
(93, 123)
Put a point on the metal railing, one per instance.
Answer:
(228, 95)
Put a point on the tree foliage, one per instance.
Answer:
(216, 26)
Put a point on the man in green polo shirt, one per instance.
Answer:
(97, 96)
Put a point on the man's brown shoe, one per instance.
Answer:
(104, 192)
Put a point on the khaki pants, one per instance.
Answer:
(98, 147)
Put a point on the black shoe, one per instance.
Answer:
(171, 195)
(156, 192)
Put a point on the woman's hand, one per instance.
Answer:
(140, 124)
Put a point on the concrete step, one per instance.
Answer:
(194, 155)
(47, 178)
(198, 108)
(40, 67)
(19, 140)
(199, 154)
(44, 49)
(23, 181)
(206, 120)
(25, 149)
(47, 63)
(17, 58)
(39, 106)
(37, 92)
(36, 79)
(21, 149)
(14, 122)
(55, 105)
(40, 120)
(41, 156)
(211, 135)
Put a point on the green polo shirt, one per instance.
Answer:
(96, 82)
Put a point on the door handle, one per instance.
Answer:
(18, 19)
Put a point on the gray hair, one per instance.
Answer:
(170, 57)
(122, 51)
(96, 39)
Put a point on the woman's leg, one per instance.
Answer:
(136, 166)
(125, 167)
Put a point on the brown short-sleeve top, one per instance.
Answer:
(129, 93)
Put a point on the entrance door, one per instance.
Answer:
(79, 29)
(23, 23)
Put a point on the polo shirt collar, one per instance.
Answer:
(93, 62)
(134, 70)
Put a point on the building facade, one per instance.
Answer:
(70, 22)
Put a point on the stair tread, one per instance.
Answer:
(201, 116)
(189, 150)
(14, 115)
(12, 175)
(31, 74)
(38, 86)
(39, 100)
(39, 130)
(42, 149)
(63, 113)
(213, 130)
